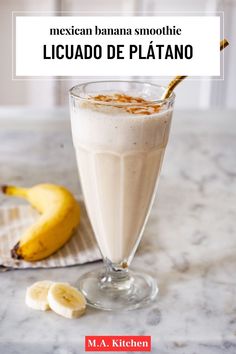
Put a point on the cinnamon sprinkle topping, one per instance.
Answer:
(143, 106)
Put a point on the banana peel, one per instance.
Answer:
(60, 215)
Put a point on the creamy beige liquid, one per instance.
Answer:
(119, 157)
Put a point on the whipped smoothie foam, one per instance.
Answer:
(119, 151)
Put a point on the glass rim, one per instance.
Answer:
(123, 104)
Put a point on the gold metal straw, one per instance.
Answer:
(172, 85)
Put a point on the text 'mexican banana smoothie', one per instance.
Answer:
(119, 152)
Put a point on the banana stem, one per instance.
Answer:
(14, 191)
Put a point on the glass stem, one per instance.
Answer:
(115, 276)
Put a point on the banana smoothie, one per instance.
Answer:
(120, 142)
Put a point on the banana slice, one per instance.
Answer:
(66, 300)
(37, 295)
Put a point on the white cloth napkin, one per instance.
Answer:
(81, 248)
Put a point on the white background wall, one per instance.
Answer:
(200, 94)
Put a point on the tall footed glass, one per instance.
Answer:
(120, 131)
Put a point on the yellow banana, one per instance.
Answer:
(60, 214)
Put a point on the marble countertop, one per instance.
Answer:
(189, 243)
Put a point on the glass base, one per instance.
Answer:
(114, 291)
